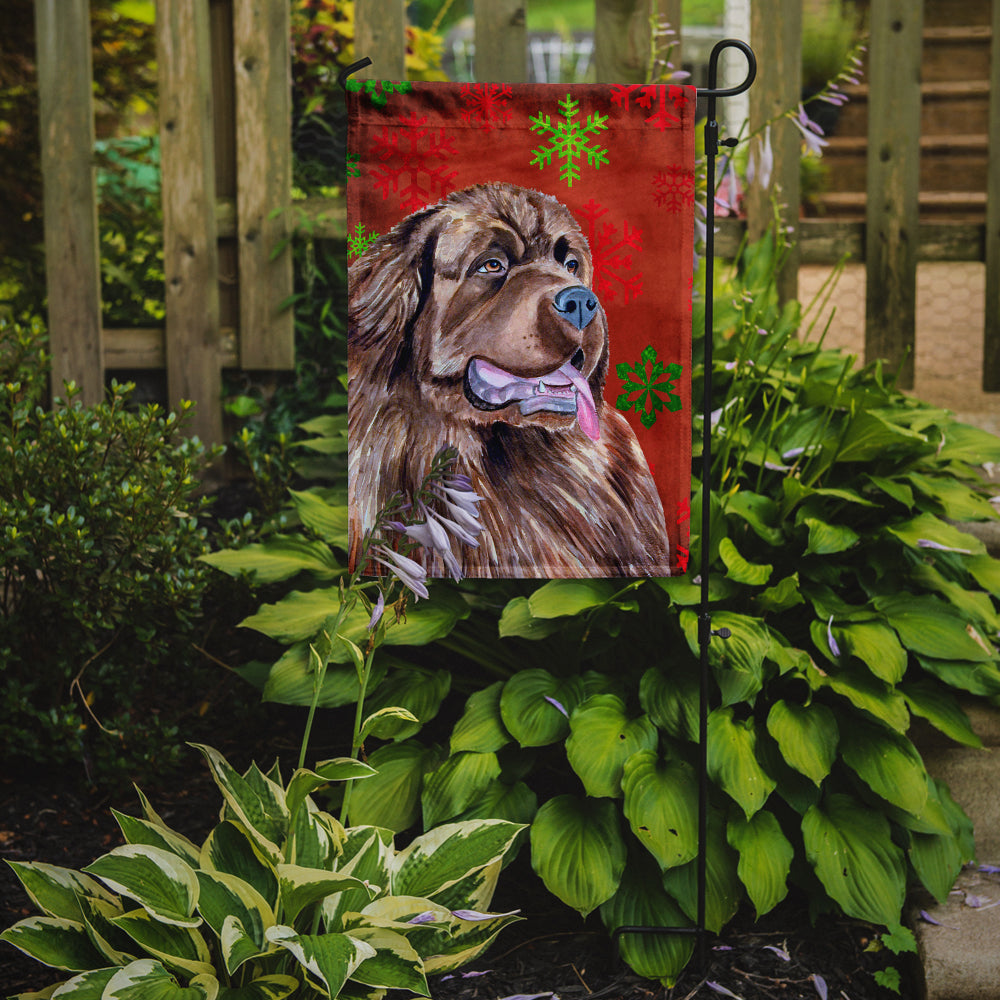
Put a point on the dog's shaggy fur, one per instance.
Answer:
(467, 287)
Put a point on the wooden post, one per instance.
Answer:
(262, 60)
(72, 255)
(621, 40)
(991, 333)
(190, 254)
(380, 34)
(893, 183)
(501, 41)
(776, 35)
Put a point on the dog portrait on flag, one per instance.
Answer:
(518, 294)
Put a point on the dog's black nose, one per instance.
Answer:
(577, 304)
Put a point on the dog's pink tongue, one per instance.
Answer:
(586, 412)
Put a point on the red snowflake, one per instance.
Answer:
(414, 158)
(612, 262)
(650, 94)
(486, 103)
(673, 188)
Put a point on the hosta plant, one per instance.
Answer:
(279, 900)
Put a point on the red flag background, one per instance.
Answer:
(620, 158)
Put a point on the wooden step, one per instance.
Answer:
(940, 13)
(956, 53)
(958, 206)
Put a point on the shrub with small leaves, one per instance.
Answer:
(99, 574)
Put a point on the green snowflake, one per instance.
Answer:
(649, 386)
(569, 140)
(353, 165)
(378, 91)
(359, 241)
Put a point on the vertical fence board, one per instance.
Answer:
(262, 61)
(190, 254)
(893, 183)
(501, 41)
(776, 35)
(991, 333)
(380, 34)
(621, 40)
(72, 256)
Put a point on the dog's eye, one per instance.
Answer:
(572, 265)
(492, 266)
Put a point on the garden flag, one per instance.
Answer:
(520, 291)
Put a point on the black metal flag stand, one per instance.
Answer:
(705, 631)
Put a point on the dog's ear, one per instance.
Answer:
(389, 283)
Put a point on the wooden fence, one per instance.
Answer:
(226, 160)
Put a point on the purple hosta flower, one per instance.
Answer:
(459, 531)
(557, 704)
(410, 573)
(427, 917)
(812, 134)
(990, 869)
(780, 952)
(430, 534)
(719, 988)
(727, 198)
(820, 983)
(834, 648)
(465, 975)
(927, 543)
(760, 166)
(377, 612)
(475, 915)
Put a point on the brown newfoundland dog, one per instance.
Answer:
(473, 324)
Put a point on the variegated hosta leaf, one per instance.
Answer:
(441, 857)
(456, 784)
(177, 947)
(395, 964)
(300, 887)
(315, 838)
(274, 987)
(807, 736)
(578, 851)
(481, 727)
(304, 782)
(147, 979)
(850, 847)
(466, 941)
(256, 801)
(230, 849)
(141, 831)
(225, 897)
(661, 799)
(475, 891)
(535, 706)
(87, 986)
(765, 858)
(602, 737)
(54, 941)
(642, 902)
(116, 946)
(56, 891)
(158, 880)
(367, 854)
(732, 760)
(329, 959)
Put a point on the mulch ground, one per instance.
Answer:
(550, 953)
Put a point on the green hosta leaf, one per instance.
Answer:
(292, 680)
(275, 987)
(986, 571)
(147, 979)
(230, 849)
(931, 628)
(865, 692)
(301, 887)
(661, 798)
(602, 738)
(827, 539)
(330, 959)
(758, 511)
(578, 851)
(941, 709)
(54, 941)
(517, 620)
(304, 782)
(723, 889)
(327, 520)
(180, 948)
(671, 699)
(641, 901)
(807, 736)
(456, 784)
(965, 443)
(850, 847)
(956, 500)
(386, 723)
(225, 897)
(888, 763)
(391, 798)
(783, 595)
(260, 809)
(481, 728)
(395, 964)
(527, 709)
(417, 690)
(928, 528)
(732, 760)
(765, 858)
(141, 831)
(279, 558)
(738, 661)
(870, 436)
(559, 598)
(159, 881)
(56, 891)
(738, 569)
(976, 678)
(893, 488)
(937, 859)
(876, 646)
(516, 803)
(438, 859)
(975, 605)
